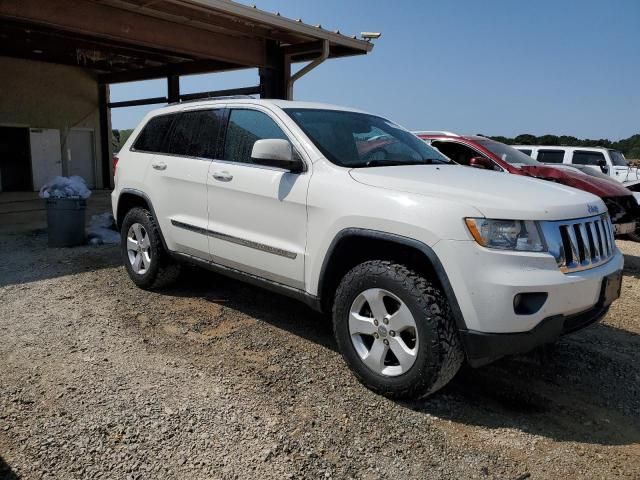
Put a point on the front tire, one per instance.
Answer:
(395, 330)
(144, 257)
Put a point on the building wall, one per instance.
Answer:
(46, 95)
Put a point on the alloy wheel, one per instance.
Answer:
(138, 249)
(383, 332)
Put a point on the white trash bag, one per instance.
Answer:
(65, 187)
(102, 230)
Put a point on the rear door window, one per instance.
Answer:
(245, 127)
(196, 134)
(153, 137)
(550, 156)
(588, 158)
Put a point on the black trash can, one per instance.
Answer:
(65, 221)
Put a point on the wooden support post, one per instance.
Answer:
(105, 135)
(274, 77)
(173, 88)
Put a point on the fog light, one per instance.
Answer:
(529, 303)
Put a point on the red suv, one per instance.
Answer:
(482, 152)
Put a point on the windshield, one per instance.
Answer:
(507, 153)
(357, 140)
(617, 158)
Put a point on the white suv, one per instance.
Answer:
(422, 263)
(610, 162)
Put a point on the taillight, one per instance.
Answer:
(115, 159)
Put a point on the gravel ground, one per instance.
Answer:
(217, 379)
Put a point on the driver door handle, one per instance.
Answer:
(159, 165)
(223, 176)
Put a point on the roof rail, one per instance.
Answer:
(218, 97)
(435, 132)
(212, 97)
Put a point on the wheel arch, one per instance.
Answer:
(352, 246)
(131, 198)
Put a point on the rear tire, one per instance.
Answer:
(635, 236)
(372, 300)
(144, 257)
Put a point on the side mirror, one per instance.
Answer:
(603, 166)
(278, 153)
(481, 162)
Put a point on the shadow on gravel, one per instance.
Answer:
(632, 265)
(585, 391)
(25, 258)
(277, 310)
(5, 471)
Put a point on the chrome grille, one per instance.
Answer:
(580, 244)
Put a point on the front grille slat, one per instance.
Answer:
(610, 237)
(585, 242)
(603, 244)
(594, 239)
(573, 246)
(580, 244)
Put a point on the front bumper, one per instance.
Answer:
(482, 348)
(485, 283)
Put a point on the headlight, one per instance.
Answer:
(520, 235)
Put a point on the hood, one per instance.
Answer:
(573, 178)
(494, 194)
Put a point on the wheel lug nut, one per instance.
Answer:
(392, 333)
(386, 342)
(376, 335)
(385, 320)
(375, 322)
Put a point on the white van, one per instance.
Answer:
(608, 161)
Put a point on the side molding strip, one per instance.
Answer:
(239, 241)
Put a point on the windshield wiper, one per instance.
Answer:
(391, 163)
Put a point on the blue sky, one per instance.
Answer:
(497, 67)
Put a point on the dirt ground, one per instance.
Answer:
(217, 379)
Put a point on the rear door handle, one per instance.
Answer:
(159, 165)
(223, 176)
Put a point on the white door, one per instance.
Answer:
(46, 158)
(257, 214)
(177, 179)
(81, 156)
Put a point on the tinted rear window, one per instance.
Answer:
(587, 158)
(154, 134)
(196, 134)
(526, 151)
(550, 156)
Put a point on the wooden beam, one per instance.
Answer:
(173, 88)
(136, 103)
(105, 135)
(184, 68)
(102, 21)
(302, 48)
(274, 77)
